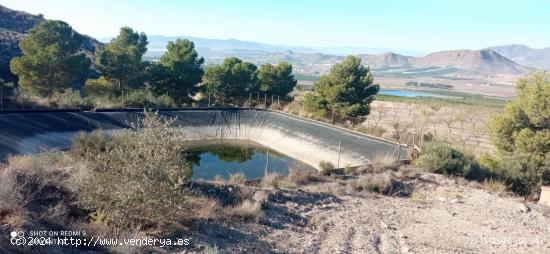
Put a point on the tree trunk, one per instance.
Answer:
(332, 117)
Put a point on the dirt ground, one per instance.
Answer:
(443, 215)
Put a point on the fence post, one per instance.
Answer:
(265, 101)
(339, 152)
(266, 161)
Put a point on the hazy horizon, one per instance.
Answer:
(404, 26)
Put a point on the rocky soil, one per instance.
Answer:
(443, 215)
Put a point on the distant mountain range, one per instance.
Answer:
(536, 58)
(158, 43)
(490, 61)
(493, 61)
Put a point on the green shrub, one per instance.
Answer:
(524, 173)
(521, 134)
(326, 167)
(144, 99)
(440, 158)
(72, 99)
(485, 167)
(100, 88)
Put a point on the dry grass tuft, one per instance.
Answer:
(11, 210)
(495, 186)
(237, 178)
(410, 172)
(271, 180)
(246, 193)
(205, 208)
(56, 213)
(210, 250)
(302, 176)
(381, 183)
(248, 211)
(383, 161)
(218, 179)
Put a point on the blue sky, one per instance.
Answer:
(424, 25)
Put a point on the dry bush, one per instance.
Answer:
(376, 131)
(39, 162)
(410, 172)
(285, 184)
(56, 213)
(21, 162)
(246, 193)
(238, 178)
(32, 174)
(327, 168)
(210, 250)
(335, 188)
(381, 183)
(218, 179)
(204, 208)
(139, 176)
(89, 144)
(271, 180)
(302, 176)
(495, 186)
(11, 210)
(248, 211)
(387, 183)
(383, 161)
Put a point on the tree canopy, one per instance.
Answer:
(276, 80)
(233, 78)
(50, 61)
(179, 71)
(347, 90)
(120, 60)
(522, 132)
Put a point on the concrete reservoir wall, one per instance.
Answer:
(302, 139)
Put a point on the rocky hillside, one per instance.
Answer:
(479, 61)
(389, 59)
(536, 58)
(13, 26)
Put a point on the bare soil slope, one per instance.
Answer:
(444, 215)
